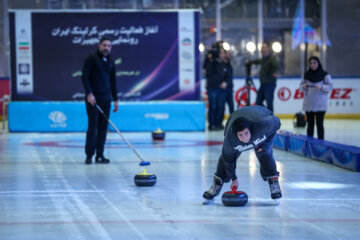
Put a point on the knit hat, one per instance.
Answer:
(240, 124)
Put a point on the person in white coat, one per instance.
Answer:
(316, 85)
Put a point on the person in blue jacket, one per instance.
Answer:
(252, 127)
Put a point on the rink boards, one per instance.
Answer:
(340, 155)
(134, 116)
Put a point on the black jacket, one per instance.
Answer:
(216, 73)
(98, 77)
(229, 75)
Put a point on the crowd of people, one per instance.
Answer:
(316, 84)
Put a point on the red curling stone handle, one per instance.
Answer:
(234, 188)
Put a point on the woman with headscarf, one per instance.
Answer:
(316, 85)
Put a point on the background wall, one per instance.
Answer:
(239, 25)
(344, 32)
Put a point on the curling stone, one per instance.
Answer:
(234, 198)
(145, 179)
(158, 135)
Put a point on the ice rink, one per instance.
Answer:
(47, 192)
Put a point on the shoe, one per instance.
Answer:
(212, 128)
(101, 159)
(214, 189)
(220, 127)
(88, 160)
(274, 187)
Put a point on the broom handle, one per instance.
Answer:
(123, 138)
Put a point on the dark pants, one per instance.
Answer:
(97, 128)
(265, 158)
(319, 117)
(266, 92)
(230, 99)
(216, 97)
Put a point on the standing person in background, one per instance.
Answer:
(98, 78)
(268, 75)
(229, 89)
(316, 85)
(216, 83)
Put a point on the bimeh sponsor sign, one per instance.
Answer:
(58, 119)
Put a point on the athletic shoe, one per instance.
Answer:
(274, 187)
(88, 160)
(101, 159)
(213, 128)
(220, 127)
(214, 189)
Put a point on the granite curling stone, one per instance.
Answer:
(234, 198)
(158, 135)
(145, 179)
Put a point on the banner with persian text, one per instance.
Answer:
(155, 53)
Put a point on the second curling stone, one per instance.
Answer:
(158, 135)
(145, 179)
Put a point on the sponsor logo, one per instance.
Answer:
(186, 55)
(241, 96)
(341, 93)
(24, 48)
(284, 94)
(58, 119)
(185, 29)
(186, 42)
(24, 68)
(23, 34)
(186, 81)
(157, 115)
(24, 82)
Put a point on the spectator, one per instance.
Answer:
(268, 75)
(216, 83)
(316, 85)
